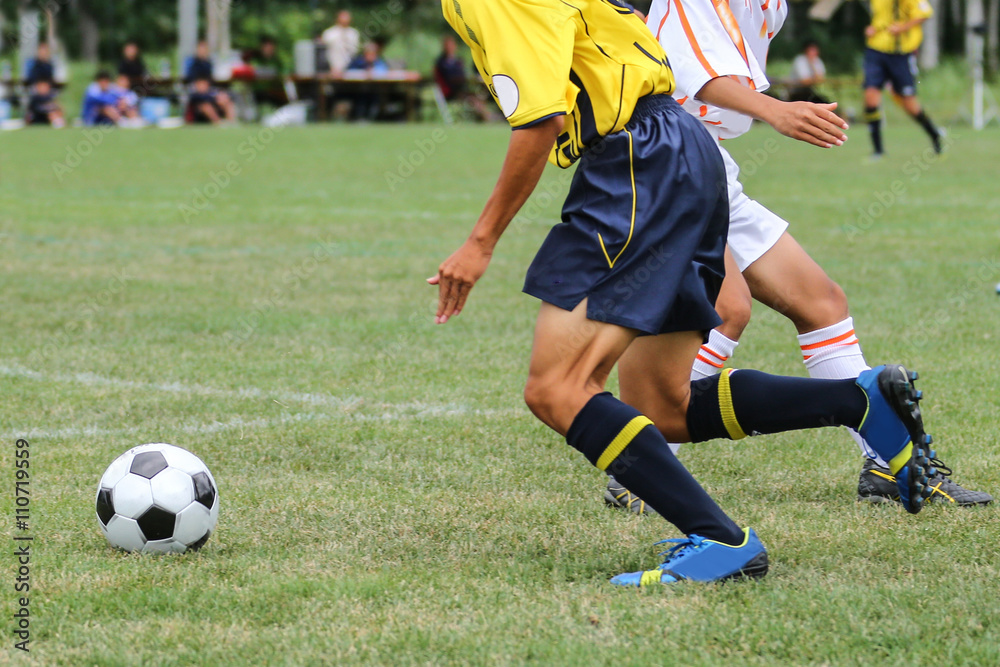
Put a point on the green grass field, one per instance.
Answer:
(386, 497)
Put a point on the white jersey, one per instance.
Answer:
(706, 39)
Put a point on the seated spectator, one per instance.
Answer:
(100, 103)
(43, 109)
(207, 105)
(132, 66)
(808, 71)
(449, 73)
(342, 42)
(40, 68)
(369, 61)
(269, 72)
(126, 101)
(365, 103)
(200, 66)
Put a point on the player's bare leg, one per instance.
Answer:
(570, 362)
(912, 106)
(790, 282)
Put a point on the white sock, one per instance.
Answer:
(712, 356)
(834, 353)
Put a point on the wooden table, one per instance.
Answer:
(404, 83)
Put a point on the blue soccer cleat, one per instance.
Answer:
(695, 558)
(894, 428)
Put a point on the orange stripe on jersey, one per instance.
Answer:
(765, 5)
(682, 100)
(831, 341)
(703, 111)
(733, 28)
(690, 35)
(709, 361)
(705, 348)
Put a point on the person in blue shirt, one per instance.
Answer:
(369, 61)
(365, 103)
(100, 102)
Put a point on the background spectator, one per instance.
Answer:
(207, 105)
(200, 66)
(369, 61)
(342, 42)
(132, 66)
(43, 109)
(100, 102)
(40, 68)
(808, 71)
(365, 102)
(126, 101)
(269, 71)
(450, 76)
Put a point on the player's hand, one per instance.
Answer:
(871, 31)
(814, 124)
(897, 29)
(456, 277)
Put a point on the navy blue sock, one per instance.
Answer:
(618, 439)
(874, 117)
(734, 404)
(926, 123)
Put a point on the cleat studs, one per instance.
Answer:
(919, 395)
(931, 472)
(928, 440)
(913, 375)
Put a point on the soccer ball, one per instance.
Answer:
(157, 498)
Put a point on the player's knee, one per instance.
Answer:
(825, 307)
(542, 396)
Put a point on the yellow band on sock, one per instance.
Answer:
(899, 460)
(622, 440)
(726, 407)
(873, 116)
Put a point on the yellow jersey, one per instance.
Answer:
(887, 12)
(590, 60)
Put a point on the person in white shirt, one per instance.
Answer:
(342, 43)
(808, 71)
(718, 52)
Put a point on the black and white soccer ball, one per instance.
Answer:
(157, 498)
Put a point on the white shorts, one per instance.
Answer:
(753, 230)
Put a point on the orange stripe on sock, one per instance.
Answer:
(829, 341)
(706, 348)
(708, 361)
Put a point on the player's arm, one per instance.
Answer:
(527, 155)
(900, 28)
(816, 124)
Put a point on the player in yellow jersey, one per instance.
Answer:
(892, 39)
(640, 252)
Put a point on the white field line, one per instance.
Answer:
(346, 409)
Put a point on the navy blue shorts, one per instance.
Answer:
(899, 69)
(643, 230)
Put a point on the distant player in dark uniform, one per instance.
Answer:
(893, 37)
(640, 252)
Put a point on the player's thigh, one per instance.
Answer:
(790, 282)
(571, 358)
(655, 378)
